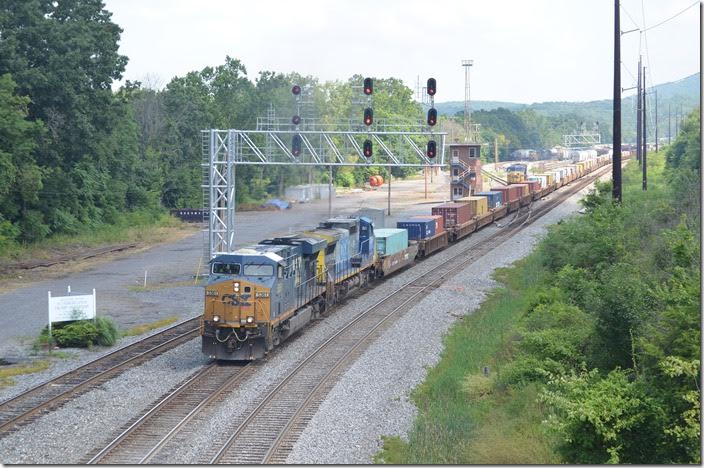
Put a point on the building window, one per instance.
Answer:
(455, 153)
(472, 152)
(456, 172)
(457, 190)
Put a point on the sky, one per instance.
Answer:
(522, 50)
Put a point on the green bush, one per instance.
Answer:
(76, 335)
(108, 333)
(79, 334)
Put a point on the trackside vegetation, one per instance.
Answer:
(592, 344)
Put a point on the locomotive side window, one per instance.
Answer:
(258, 270)
(226, 268)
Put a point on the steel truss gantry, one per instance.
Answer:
(322, 146)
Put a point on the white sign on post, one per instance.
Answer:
(63, 309)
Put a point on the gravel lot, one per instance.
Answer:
(371, 400)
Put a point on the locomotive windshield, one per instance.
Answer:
(226, 268)
(258, 270)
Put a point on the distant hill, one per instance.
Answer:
(684, 93)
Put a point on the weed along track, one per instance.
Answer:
(31, 404)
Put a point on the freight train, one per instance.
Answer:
(262, 294)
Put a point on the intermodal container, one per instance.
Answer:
(418, 228)
(493, 198)
(510, 193)
(390, 241)
(541, 180)
(439, 222)
(453, 213)
(550, 177)
(479, 205)
(533, 185)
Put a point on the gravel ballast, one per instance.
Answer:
(372, 399)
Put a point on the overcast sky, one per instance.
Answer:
(523, 50)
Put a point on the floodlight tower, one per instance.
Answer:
(469, 135)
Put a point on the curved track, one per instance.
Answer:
(267, 434)
(31, 404)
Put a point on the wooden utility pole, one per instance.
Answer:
(657, 144)
(389, 195)
(330, 192)
(639, 114)
(669, 125)
(496, 151)
(645, 139)
(425, 172)
(616, 143)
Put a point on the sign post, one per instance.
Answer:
(71, 307)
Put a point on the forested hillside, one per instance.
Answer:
(76, 155)
(558, 118)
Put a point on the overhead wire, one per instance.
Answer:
(670, 18)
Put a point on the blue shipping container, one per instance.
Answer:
(390, 241)
(494, 199)
(418, 228)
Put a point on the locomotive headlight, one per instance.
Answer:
(236, 285)
(216, 318)
(250, 319)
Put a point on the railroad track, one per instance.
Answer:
(268, 433)
(48, 396)
(144, 438)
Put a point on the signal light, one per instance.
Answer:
(296, 145)
(368, 86)
(296, 119)
(368, 116)
(296, 90)
(431, 88)
(432, 116)
(432, 149)
(367, 150)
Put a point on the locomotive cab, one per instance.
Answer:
(238, 305)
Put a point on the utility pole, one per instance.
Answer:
(425, 172)
(496, 151)
(669, 125)
(639, 108)
(330, 192)
(657, 144)
(389, 195)
(645, 140)
(616, 158)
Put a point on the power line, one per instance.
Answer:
(670, 18)
(630, 17)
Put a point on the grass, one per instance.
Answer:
(160, 286)
(138, 228)
(144, 328)
(462, 419)
(7, 372)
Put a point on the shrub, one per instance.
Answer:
(108, 332)
(80, 334)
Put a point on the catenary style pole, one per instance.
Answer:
(616, 158)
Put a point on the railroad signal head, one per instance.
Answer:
(296, 119)
(368, 116)
(368, 86)
(431, 152)
(367, 149)
(296, 90)
(432, 87)
(296, 145)
(432, 116)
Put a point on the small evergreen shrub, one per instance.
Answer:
(108, 332)
(79, 334)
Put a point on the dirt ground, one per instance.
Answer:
(171, 267)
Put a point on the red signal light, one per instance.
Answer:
(296, 90)
(368, 116)
(432, 87)
(431, 151)
(432, 116)
(296, 119)
(296, 145)
(367, 150)
(368, 86)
